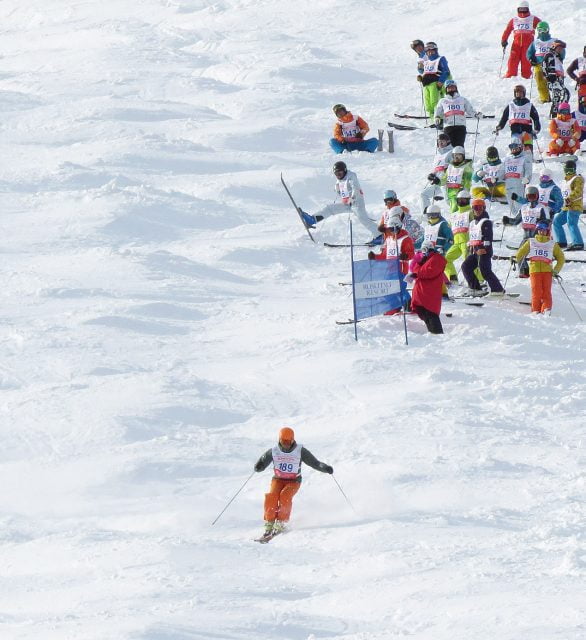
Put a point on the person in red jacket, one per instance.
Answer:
(523, 28)
(428, 276)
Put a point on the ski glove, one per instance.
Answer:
(360, 135)
(371, 255)
(513, 260)
(504, 44)
(419, 78)
(410, 277)
(557, 277)
(258, 466)
(506, 220)
(559, 142)
(433, 178)
(515, 197)
(326, 468)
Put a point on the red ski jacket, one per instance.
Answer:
(427, 290)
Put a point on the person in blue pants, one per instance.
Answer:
(350, 132)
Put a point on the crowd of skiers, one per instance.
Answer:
(426, 253)
(544, 210)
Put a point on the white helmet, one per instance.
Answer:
(523, 5)
(464, 194)
(459, 150)
(433, 211)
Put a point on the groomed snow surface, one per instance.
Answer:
(164, 314)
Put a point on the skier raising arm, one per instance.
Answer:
(286, 458)
(523, 28)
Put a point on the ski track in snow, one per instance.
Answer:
(164, 313)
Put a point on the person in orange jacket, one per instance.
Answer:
(541, 251)
(565, 132)
(523, 28)
(349, 132)
(286, 457)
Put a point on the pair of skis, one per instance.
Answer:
(307, 227)
(267, 537)
(409, 127)
(414, 117)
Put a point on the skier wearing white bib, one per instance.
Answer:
(286, 457)
(349, 192)
(451, 112)
(441, 160)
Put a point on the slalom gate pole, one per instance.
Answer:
(399, 273)
(353, 290)
(569, 299)
(345, 496)
(475, 139)
(502, 60)
(233, 498)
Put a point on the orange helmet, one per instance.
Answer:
(478, 203)
(286, 435)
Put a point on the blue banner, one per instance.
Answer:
(378, 286)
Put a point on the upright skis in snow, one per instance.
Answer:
(298, 209)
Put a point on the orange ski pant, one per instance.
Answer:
(555, 149)
(541, 291)
(279, 499)
(518, 56)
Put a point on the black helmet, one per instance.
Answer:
(492, 153)
(339, 166)
(416, 43)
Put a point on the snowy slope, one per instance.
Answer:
(164, 314)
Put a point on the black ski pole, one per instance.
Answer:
(558, 280)
(541, 154)
(345, 496)
(233, 498)
(423, 104)
(475, 138)
(506, 280)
